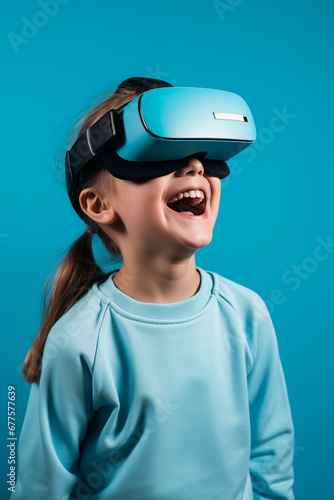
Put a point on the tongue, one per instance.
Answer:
(192, 201)
(182, 205)
(186, 205)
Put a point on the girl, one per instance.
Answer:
(159, 380)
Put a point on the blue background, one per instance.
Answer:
(276, 206)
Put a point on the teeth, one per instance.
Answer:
(188, 194)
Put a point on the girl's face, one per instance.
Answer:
(148, 219)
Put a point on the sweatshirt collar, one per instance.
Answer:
(185, 309)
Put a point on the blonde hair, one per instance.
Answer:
(78, 270)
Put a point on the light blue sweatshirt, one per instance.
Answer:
(146, 401)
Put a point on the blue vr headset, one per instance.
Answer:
(155, 133)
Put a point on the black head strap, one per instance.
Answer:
(140, 84)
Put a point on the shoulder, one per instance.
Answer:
(246, 303)
(250, 311)
(74, 337)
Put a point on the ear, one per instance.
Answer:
(97, 207)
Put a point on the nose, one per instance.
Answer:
(192, 167)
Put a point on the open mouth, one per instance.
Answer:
(193, 201)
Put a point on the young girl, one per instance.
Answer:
(160, 380)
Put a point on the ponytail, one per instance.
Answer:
(77, 273)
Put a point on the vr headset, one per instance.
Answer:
(155, 134)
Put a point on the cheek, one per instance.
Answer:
(215, 192)
(140, 212)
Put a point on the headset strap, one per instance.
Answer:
(91, 142)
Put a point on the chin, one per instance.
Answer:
(201, 241)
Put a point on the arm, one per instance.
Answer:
(54, 426)
(272, 432)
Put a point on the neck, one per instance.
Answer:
(157, 280)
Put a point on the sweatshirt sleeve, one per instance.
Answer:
(55, 424)
(272, 431)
